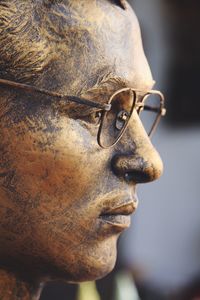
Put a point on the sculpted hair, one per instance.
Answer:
(27, 34)
(121, 3)
(23, 49)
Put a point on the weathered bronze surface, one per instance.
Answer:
(63, 199)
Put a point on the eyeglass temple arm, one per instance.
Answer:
(75, 99)
(161, 110)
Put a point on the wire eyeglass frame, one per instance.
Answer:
(105, 107)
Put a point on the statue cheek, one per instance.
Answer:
(54, 161)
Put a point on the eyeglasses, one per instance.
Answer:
(116, 113)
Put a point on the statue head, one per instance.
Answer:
(74, 78)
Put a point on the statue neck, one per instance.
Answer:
(13, 288)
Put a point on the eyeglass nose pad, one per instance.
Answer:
(121, 119)
(123, 114)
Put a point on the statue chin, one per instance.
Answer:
(91, 264)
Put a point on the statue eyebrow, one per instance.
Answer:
(106, 83)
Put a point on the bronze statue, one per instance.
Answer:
(73, 80)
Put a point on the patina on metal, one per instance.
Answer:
(64, 198)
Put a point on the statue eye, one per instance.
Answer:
(92, 117)
(95, 117)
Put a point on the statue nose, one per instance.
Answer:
(138, 168)
(136, 159)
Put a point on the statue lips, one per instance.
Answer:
(119, 216)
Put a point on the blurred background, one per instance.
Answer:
(159, 256)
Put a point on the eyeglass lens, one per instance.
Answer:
(150, 112)
(114, 122)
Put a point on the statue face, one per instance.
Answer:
(64, 200)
